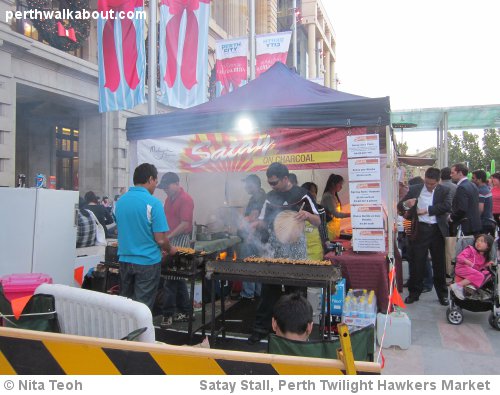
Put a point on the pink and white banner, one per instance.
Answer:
(271, 48)
(231, 65)
(183, 54)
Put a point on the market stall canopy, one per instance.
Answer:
(277, 98)
(459, 118)
(416, 161)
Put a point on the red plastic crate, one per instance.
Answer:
(22, 284)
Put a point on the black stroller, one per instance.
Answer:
(485, 298)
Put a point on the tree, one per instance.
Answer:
(474, 154)
(491, 146)
(455, 153)
(402, 148)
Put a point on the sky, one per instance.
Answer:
(426, 53)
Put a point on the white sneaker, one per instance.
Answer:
(458, 291)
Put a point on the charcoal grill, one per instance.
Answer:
(304, 275)
(273, 271)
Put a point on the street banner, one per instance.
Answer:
(121, 55)
(183, 54)
(271, 48)
(364, 169)
(221, 152)
(363, 146)
(231, 65)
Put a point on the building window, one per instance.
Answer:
(26, 27)
(67, 159)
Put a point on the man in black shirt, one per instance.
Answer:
(251, 237)
(284, 196)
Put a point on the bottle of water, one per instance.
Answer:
(347, 308)
(362, 307)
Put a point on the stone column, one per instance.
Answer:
(311, 49)
(231, 17)
(327, 69)
(333, 83)
(7, 122)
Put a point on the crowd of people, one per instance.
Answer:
(149, 231)
(442, 203)
(447, 203)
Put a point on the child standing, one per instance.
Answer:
(472, 264)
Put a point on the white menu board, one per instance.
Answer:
(369, 193)
(364, 169)
(370, 217)
(368, 240)
(365, 145)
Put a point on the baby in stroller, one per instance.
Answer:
(472, 266)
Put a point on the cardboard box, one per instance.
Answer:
(337, 298)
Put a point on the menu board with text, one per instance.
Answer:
(368, 240)
(368, 217)
(365, 193)
(365, 145)
(364, 169)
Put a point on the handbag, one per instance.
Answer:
(100, 234)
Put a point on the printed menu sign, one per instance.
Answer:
(365, 145)
(370, 217)
(364, 169)
(368, 193)
(368, 240)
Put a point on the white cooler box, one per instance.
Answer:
(397, 331)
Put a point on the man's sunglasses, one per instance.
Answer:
(273, 183)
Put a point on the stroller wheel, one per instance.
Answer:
(454, 315)
(494, 321)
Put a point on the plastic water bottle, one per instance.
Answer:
(346, 309)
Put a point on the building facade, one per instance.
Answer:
(49, 118)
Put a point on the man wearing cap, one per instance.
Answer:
(179, 207)
(142, 235)
(250, 245)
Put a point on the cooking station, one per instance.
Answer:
(304, 275)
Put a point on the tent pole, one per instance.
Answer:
(251, 38)
(390, 196)
(152, 58)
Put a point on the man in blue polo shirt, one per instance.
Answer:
(142, 234)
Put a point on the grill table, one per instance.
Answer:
(320, 276)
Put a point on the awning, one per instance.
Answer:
(416, 161)
(459, 118)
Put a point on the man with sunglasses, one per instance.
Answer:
(283, 196)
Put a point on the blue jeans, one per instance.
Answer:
(249, 290)
(176, 298)
(140, 282)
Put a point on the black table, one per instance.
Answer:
(319, 276)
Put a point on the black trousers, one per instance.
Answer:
(429, 238)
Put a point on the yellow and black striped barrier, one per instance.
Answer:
(32, 352)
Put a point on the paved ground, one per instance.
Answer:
(441, 348)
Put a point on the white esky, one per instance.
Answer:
(425, 53)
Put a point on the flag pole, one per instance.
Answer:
(152, 39)
(295, 34)
(251, 38)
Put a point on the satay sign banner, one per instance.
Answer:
(222, 152)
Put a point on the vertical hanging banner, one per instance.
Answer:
(121, 54)
(271, 48)
(183, 52)
(232, 64)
